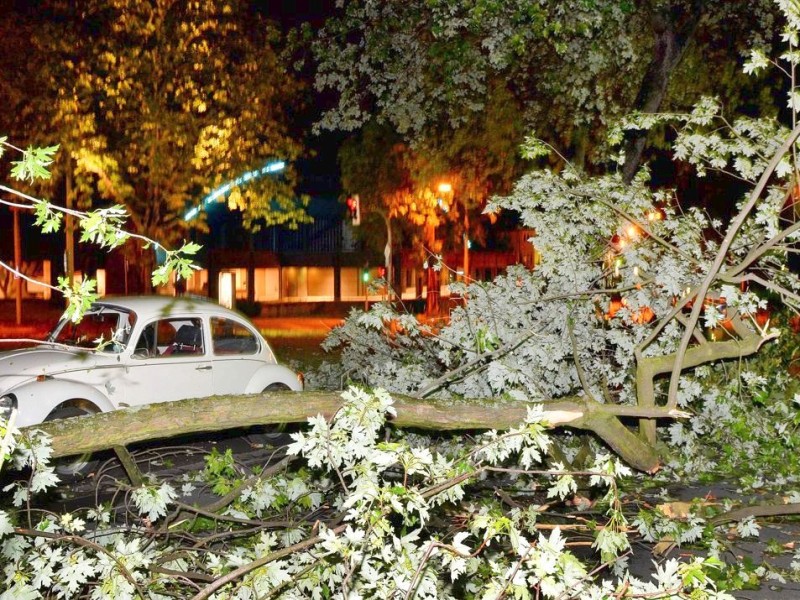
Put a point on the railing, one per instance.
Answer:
(324, 235)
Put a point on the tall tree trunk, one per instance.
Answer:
(147, 262)
(673, 28)
(69, 222)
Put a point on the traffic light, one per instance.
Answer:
(381, 272)
(354, 208)
(365, 275)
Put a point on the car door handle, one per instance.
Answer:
(203, 368)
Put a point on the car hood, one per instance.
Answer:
(49, 360)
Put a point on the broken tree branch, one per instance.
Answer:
(648, 368)
(716, 268)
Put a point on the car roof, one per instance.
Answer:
(147, 306)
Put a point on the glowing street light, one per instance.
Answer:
(444, 188)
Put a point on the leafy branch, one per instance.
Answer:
(104, 227)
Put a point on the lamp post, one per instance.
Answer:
(446, 188)
(387, 254)
(432, 296)
(465, 242)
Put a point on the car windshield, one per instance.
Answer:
(104, 328)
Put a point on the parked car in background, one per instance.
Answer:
(130, 351)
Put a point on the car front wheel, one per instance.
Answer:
(277, 387)
(269, 435)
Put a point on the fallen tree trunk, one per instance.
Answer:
(218, 413)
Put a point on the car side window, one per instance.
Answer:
(146, 344)
(229, 337)
(170, 337)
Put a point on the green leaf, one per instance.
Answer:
(104, 227)
(533, 148)
(190, 248)
(176, 263)
(80, 295)
(47, 219)
(34, 164)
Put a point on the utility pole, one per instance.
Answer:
(432, 298)
(69, 226)
(18, 264)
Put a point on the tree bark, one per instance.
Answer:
(672, 30)
(218, 413)
(647, 369)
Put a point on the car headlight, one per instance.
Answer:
(7, 403)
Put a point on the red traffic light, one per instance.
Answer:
(354, 208)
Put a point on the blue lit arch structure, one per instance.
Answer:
(270, 167)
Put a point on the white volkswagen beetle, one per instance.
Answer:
(129, 351)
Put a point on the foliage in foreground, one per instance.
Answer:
(367, 516)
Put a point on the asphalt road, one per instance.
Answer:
(168, 461)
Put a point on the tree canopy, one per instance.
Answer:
(571, 67)
(460, 83)
(158, 103)
(630, 279)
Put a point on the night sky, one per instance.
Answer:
(292, 13)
